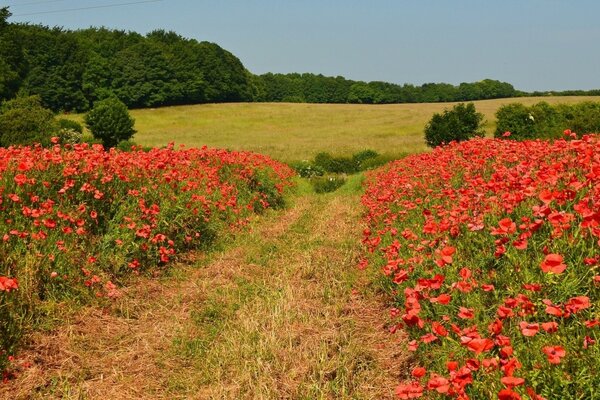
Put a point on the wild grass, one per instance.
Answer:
(291, 132)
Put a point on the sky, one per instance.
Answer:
(533, 44)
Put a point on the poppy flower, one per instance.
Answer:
(528, 329)
(554, 353)
(508, 394)
(438, 383)
(466, 313)
(553, 263)
(412, 390)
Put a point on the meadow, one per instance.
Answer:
(291, 131)
(206, 273)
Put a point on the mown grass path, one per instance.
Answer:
(281, 313)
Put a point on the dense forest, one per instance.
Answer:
(70, 70)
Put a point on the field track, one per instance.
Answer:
(280, 313)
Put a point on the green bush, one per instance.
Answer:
(69, 124)
(24, 121)
(582, 117)
(127, 145)
(327, 184)
(110, 122)
(543, 120)
(516, 119)
(336, 165)
(463, 122)
(380, 160)
(307, 169)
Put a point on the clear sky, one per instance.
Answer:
(533, 44)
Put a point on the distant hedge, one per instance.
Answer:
(546, 121)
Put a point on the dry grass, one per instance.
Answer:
(282, 314)
(290, 132)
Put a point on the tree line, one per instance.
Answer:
(71, 70)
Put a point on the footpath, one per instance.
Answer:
(281, 312)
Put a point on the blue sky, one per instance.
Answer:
(533, 44)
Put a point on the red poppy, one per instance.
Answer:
(554, 353)
(412, 390)
(528, 329)
(553, 263)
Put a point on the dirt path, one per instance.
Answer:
(282, 313)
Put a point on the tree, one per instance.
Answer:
(109, 121)
(25, 121)
(463, 122)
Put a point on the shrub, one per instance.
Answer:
(336, 165)
(307, 169)
(127, 145)
(582, 117)
(110, 122)
(543, 120)
(69, 124)
(327, 184)
(516, 119)
(463, 122)
(378, 161)
(25, 121)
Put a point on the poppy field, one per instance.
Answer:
(76, 220)
(490, 249)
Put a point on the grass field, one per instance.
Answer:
(289, 131)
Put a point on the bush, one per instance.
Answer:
(127, 145)
(110, 122)
(25, 121)
(69, 124)
(306, 169)
(463, 122)
(336, 165)
(582, 117)
(543, 120)
(380, 160)
(327, 184)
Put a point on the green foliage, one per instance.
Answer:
(25, 121)
(582, 117)
(127, 145)
(543, 120)
(313, 88)
(327, 184)
(307, 169)
(64, 123)
(326, 163)
(336, 165)
(463, 122)
(110, 122)
(378, 161)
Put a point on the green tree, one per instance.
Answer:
(109, 121)
(25, 121)
(463, 122)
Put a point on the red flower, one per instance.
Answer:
(577, 304)
(480, 345)
(508, 394)
(412, 390)
(438, 383)
(554, 353)
(528, 329)
(418, 372)
(8, 284)
(466, 313)
(553, 263)
(550, 327)
(512, 381)
(447, 253)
